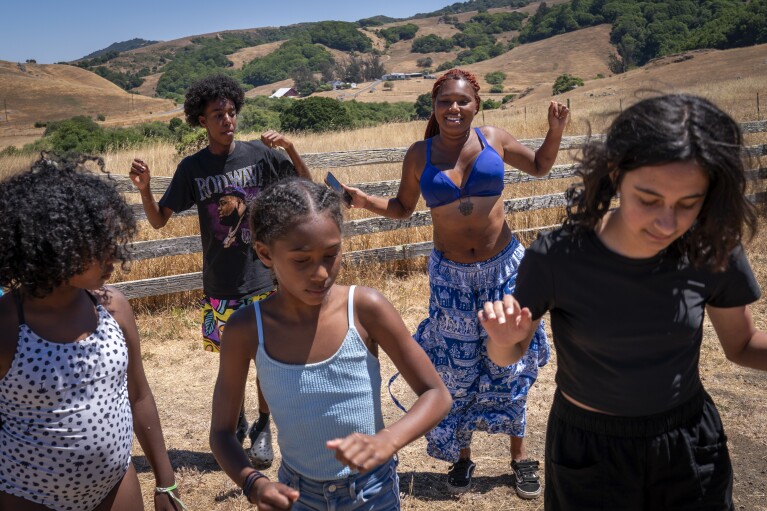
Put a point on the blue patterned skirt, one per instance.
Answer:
(486, 397)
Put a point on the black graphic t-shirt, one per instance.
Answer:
(220, 187)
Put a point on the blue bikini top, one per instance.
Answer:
(485, 178)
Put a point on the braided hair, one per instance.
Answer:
(432, 128)
(662, 130)
(286, 203)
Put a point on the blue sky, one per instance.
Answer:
(54, 30)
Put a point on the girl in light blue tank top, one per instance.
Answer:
(315, 344)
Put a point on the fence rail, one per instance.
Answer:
(192, 244)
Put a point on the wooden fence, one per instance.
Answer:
(191, 244)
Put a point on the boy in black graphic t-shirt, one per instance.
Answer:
(219, 180)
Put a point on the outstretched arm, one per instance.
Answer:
(742, 342)
(384, 325)
(237, 350)
(536, 163)
(140, 175)
(146, 420)
(272, 138)
(403, 205)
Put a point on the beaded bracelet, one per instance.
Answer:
(247, 486)
(169, 491)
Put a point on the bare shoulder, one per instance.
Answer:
(495, 134)
(370, 303)
(113, 300)
(242, 318)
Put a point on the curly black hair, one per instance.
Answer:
(210, 89)
(288, 201)
(58, 218)
(662, 130)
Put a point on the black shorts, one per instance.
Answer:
(675, 460)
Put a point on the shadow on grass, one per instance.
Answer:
(179, 458)
(432, 486)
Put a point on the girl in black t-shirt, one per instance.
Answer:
(627, 288)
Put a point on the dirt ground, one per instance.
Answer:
(182, 377)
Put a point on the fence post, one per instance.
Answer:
(758, 110)
(525, 114)
(568, 103)
(621, 103)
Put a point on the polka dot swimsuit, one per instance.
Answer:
(66, 424)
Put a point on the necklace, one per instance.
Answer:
(232, 233)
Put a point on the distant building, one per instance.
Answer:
(401, 76)
(285, 92)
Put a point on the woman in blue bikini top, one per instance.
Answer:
(459, 172)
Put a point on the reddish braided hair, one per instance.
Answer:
(432, 128)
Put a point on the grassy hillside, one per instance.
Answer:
(35, 93)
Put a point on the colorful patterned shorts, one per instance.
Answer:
(215, 314)
(486, 397)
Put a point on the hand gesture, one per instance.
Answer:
(558, 114)
(359, 198)
(506, 323)
(140, 175)
(270, 496)
(363, 452)
(273, 139)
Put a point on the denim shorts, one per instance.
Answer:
(377, 490)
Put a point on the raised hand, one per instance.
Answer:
(558, 114)
(139, 174)
(508, 325)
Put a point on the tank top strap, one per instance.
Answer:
(259, 326)
(19, 309)
(428, 151)
(481, 138)
(350, 307)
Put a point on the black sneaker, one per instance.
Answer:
(459, 476)
(524, 478)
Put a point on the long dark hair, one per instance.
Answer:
(667, 129)
(432, 128)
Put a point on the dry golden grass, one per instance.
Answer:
(35, 92)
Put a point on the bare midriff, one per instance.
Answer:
(473, 237)
(581, 405)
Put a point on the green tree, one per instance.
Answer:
(423, 106)
(315, 114)
(564, 83)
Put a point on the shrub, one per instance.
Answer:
(496, 88)
(495, 78)
(387, 85)
(564, 83)
(490, 104)
(508, 97)
(424, 62)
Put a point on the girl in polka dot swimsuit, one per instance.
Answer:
(72, 385)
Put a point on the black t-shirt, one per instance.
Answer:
(221, 186)
(627, 331)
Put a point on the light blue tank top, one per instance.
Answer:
(314, 403)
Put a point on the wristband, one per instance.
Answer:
(247, 486)
(169, 491)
